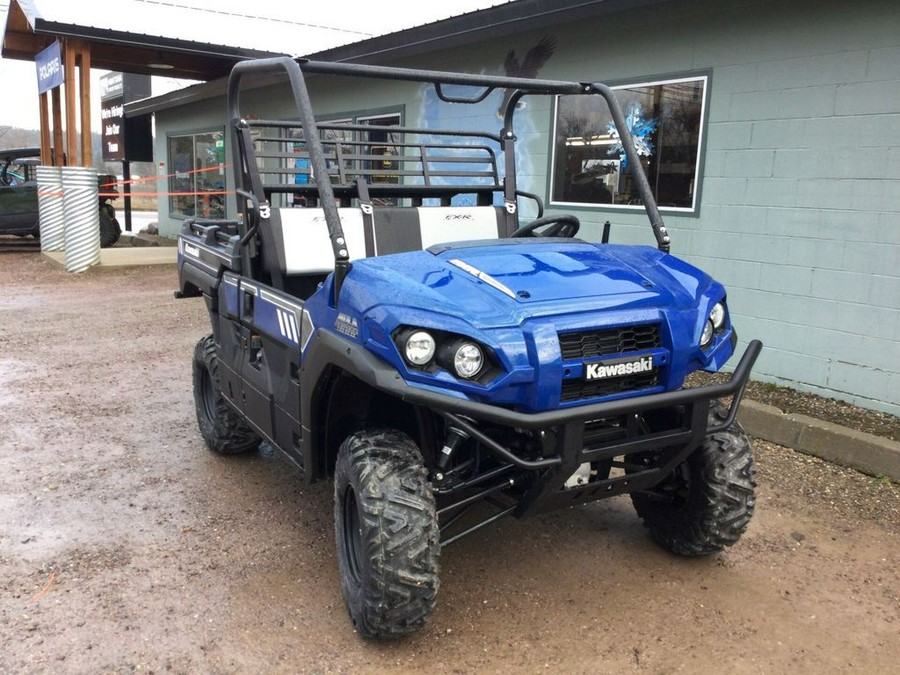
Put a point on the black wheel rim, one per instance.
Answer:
(677, 487)
(351, 536)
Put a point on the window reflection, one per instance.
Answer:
(666, 121)
(197, 175)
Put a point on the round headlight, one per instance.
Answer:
(419, 348)
(707, 336)
(717, 315)
(468, 360)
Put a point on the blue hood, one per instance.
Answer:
(502, 283)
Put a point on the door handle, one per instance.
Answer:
(247, 310)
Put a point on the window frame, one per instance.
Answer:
(704, 76)
(170, 137)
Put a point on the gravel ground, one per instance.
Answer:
(126, 546)
(828, 488)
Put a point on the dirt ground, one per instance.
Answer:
(126, 546)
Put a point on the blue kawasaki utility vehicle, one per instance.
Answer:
(447, 365)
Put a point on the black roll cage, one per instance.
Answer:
(250, 186)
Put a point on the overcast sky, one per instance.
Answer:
(260, 24)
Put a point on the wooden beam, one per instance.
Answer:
(23, 46)
(58, 159)
(125, 58)
(71, 121)
(85, 92)
(45, 129)
(135, 59)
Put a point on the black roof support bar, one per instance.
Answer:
(483, 85)
(524, 86)
(316, 154)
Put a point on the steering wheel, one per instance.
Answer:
(560, 226)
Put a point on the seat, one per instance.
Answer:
(304, 247)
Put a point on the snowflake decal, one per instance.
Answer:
(640, 128)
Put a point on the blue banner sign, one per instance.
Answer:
(49, 68)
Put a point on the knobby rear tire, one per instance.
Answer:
(223, 429)
(387, 534)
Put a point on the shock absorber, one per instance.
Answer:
(454, 438)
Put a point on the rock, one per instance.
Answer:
(143, 239)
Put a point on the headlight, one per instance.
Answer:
(468, 360)
(717, 316)
(707, 336)
(714, 323)
(420, 348)
(431, 350)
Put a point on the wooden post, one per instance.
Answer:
(84, 51)
(43, 103)
(78, 54)
(71, 121)
(58, 152)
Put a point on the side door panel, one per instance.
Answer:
(254, 363)
(231, 336)
(270, 367)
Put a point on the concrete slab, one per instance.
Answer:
(868, 453)
(126, 256)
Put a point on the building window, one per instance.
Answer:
(368, 153)
(666, 119)
(197, 177)
(355, 147)
(382, 149)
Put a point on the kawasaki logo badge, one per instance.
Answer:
(617, 367)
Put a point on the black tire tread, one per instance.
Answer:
(110, 230)
(721, 501)
(226, 432)
(398, 587)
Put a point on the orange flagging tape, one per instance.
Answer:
(147, 179)
(114, 195)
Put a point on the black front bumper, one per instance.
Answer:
(568, 426)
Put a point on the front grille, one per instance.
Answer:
(605, 342)
(577, 389)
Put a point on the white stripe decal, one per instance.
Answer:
(287, 325)
(278, 301)
(295, 334)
